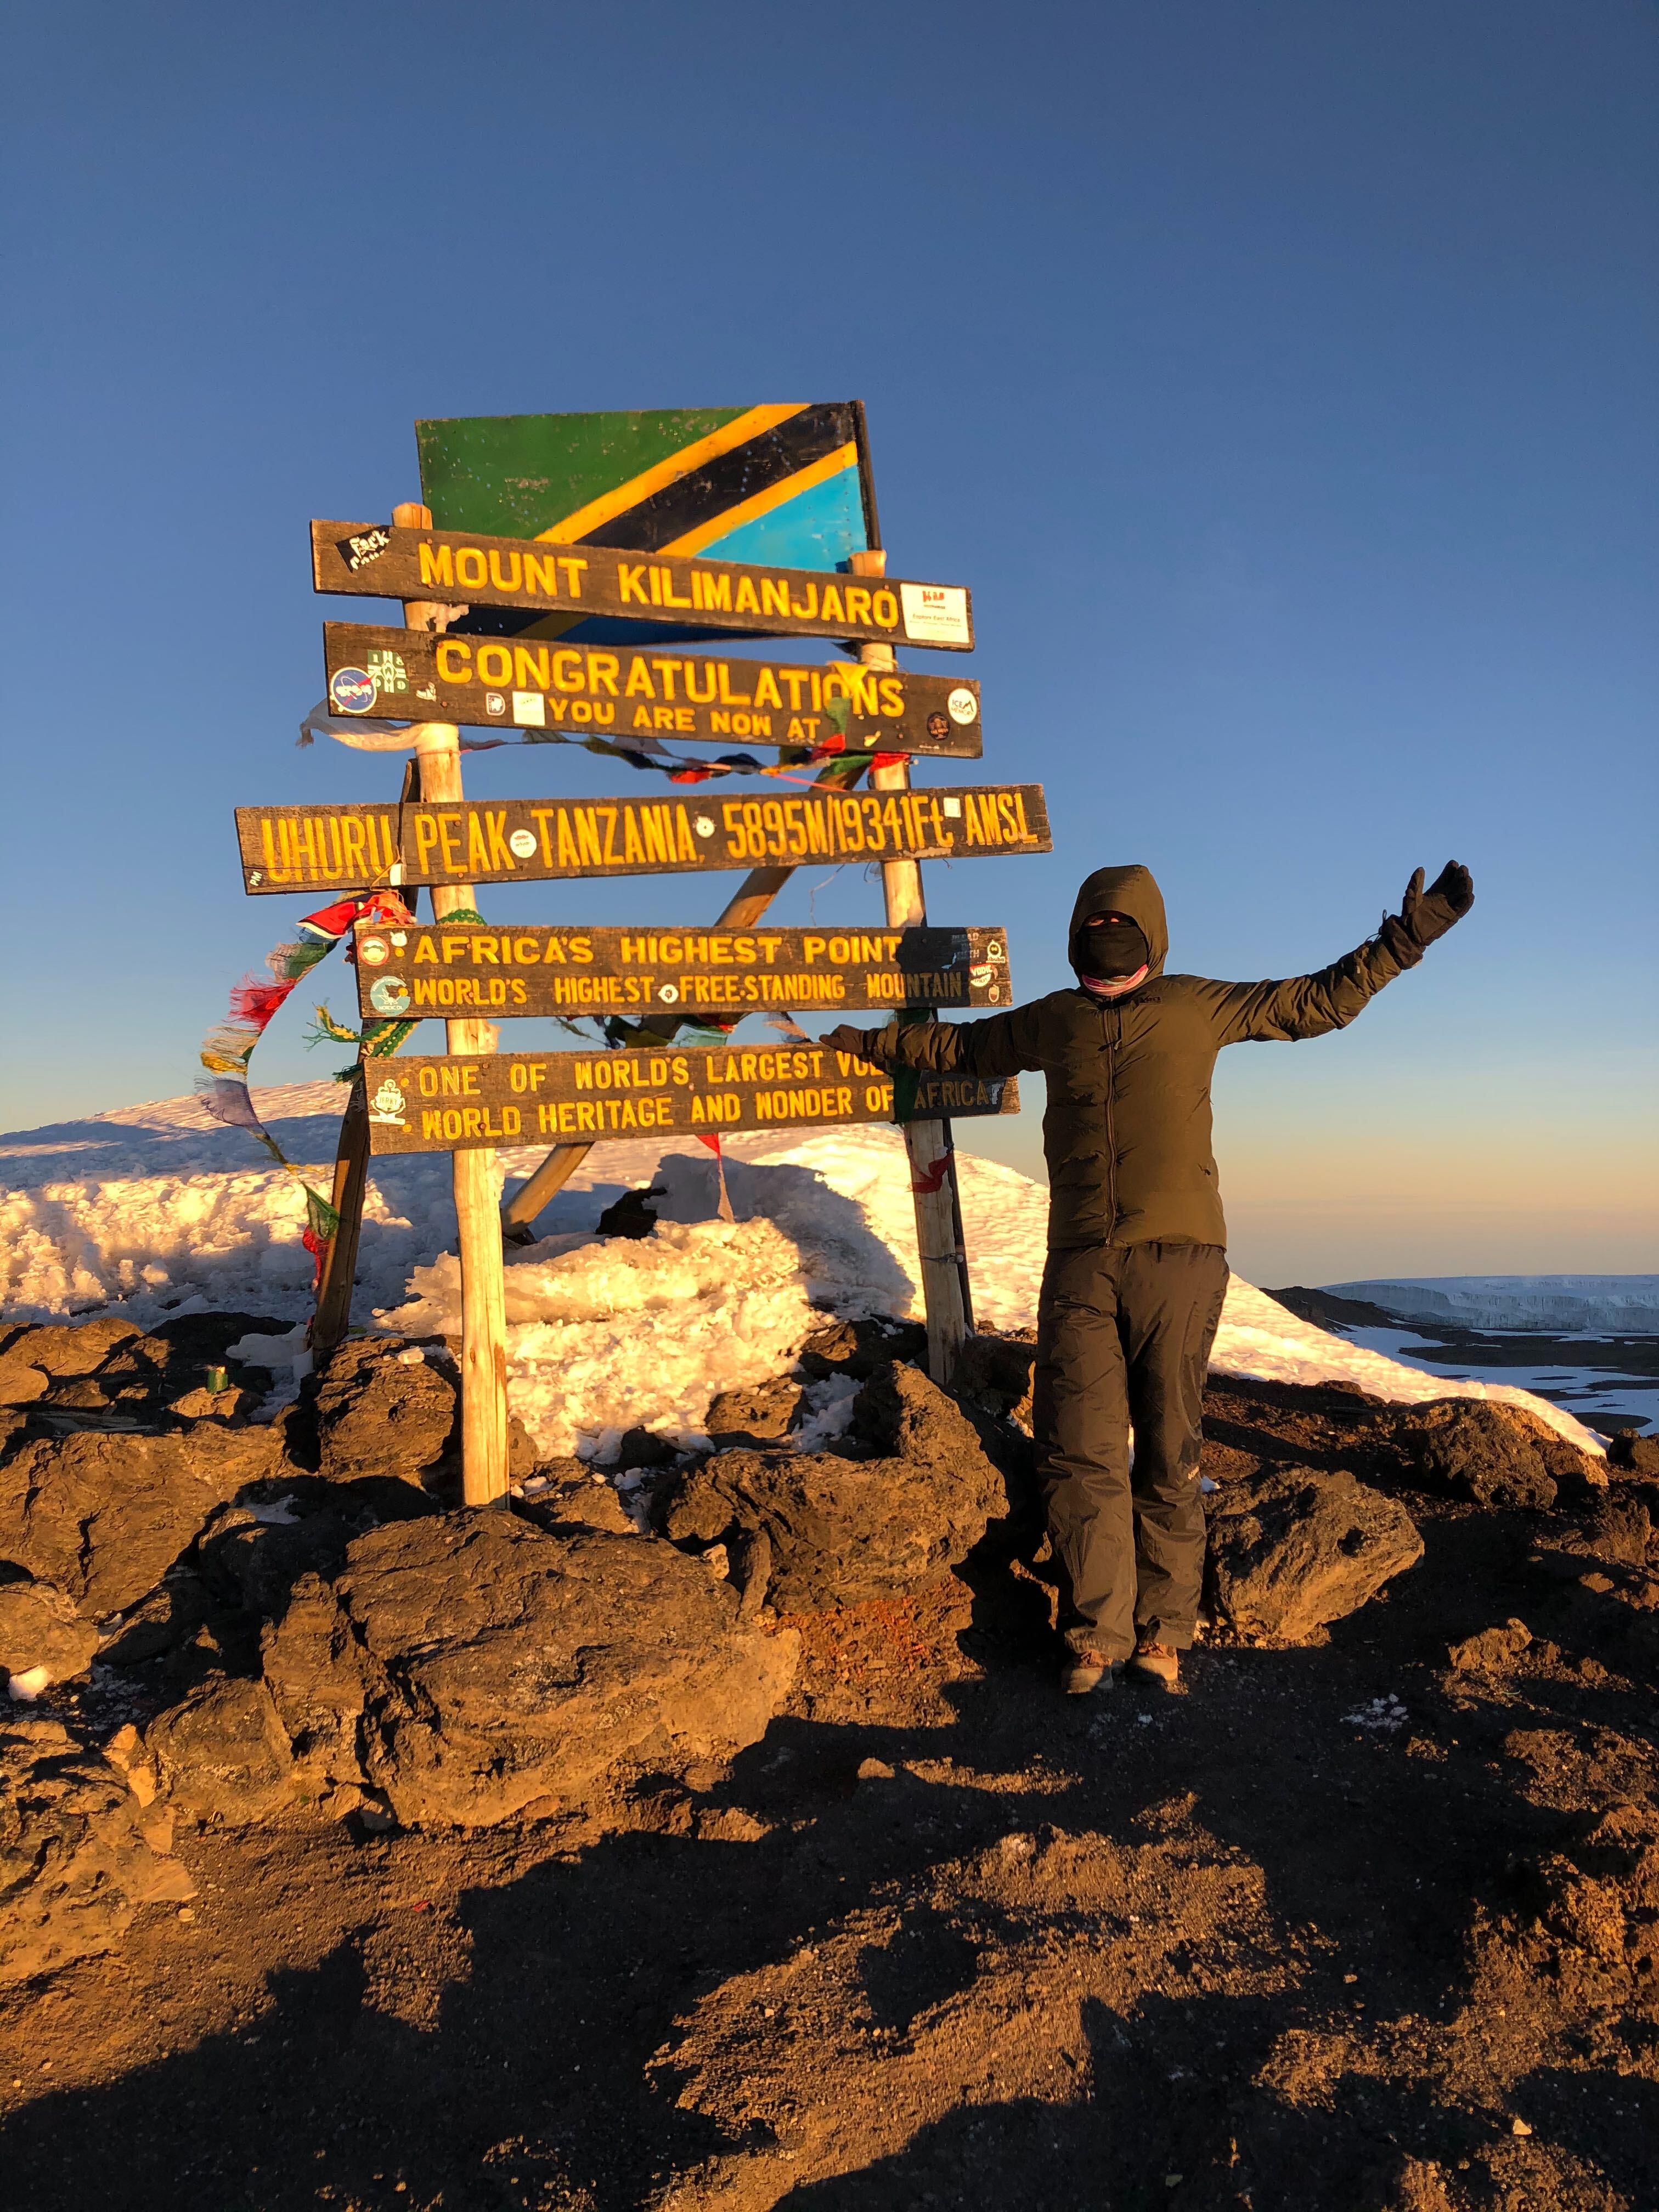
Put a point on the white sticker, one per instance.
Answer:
(400, 936)
(523, 843)
(953, 810)
(530, 710)
(669, 994)
(704, 825)
(493, 704)
(962, 705)
(936, 614)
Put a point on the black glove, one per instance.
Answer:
(1427, 914)
(863, 1044)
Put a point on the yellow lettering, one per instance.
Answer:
(437, 564)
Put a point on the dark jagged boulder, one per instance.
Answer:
(79, 1852)
(102, 1517)
(222, 1754)
(1295, 1549)
(384, 1407)
(856, 1348)
(841, 1531)
(1492, 1453)
(470, 1665)
(42, 1637)
(757, 1416)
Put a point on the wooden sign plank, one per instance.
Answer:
(451, 567)
(459, 968)
(534, 685)
(302, 848)
(447, 1103)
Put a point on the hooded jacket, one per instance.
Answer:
(1127, 1132)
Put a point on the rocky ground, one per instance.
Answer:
(719, 1839)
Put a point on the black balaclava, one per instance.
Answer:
(1111, 950)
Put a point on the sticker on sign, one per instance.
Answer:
(935, 614)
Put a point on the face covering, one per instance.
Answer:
(1110, 951)
(1112, 957)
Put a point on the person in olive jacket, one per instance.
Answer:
(1137, 1265)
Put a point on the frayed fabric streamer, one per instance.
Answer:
(723, 1209)
(228, 1050)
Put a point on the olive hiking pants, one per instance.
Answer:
(1124, 1334)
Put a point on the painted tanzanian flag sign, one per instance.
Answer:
(412, 969)
(452, 1104)
(784, 486)
(533, 685)
(296, 849)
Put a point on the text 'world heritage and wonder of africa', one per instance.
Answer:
(451, 1104)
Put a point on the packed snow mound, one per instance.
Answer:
(157, 1209)
(1620, 1304)
(606, 1334)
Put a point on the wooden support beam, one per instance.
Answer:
(927, 1144)
(483, 1288)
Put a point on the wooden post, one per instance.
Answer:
(927, 1144)
(741, 911)
(483, 1288)
(339, 1265)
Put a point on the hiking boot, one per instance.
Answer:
(1156, 1663)
(1086, 1671)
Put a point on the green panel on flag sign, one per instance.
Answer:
(787, 484)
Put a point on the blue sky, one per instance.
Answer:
(1280, 378)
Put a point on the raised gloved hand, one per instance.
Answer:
(1427, 914)
(861, 1043)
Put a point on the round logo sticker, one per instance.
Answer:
(352, 690)
(371, 950)
(963, 707)
(522, 843)
(669, 994)
(704, 825)
(389, 994)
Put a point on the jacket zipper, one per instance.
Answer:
(1108, 1024)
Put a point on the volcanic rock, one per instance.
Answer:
(1495, 1455)
(758, 1416)
(470, 1665)
(383, 1408)
(843, 1530)
(78, 1853)
(222, 1754)
(1295, 1549)
(41, 1634)
(995, 1372)
(1492, 1649)
(253, 1553)
(102, 1517)
(857, 1348)
(1639, 1453)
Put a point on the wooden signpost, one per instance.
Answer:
(287, 849)
(695, 974)
(560, 636)
(463, 570)
(448, 1104)
(530, 684)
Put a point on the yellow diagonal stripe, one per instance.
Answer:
(764, 502)
(610, 504)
